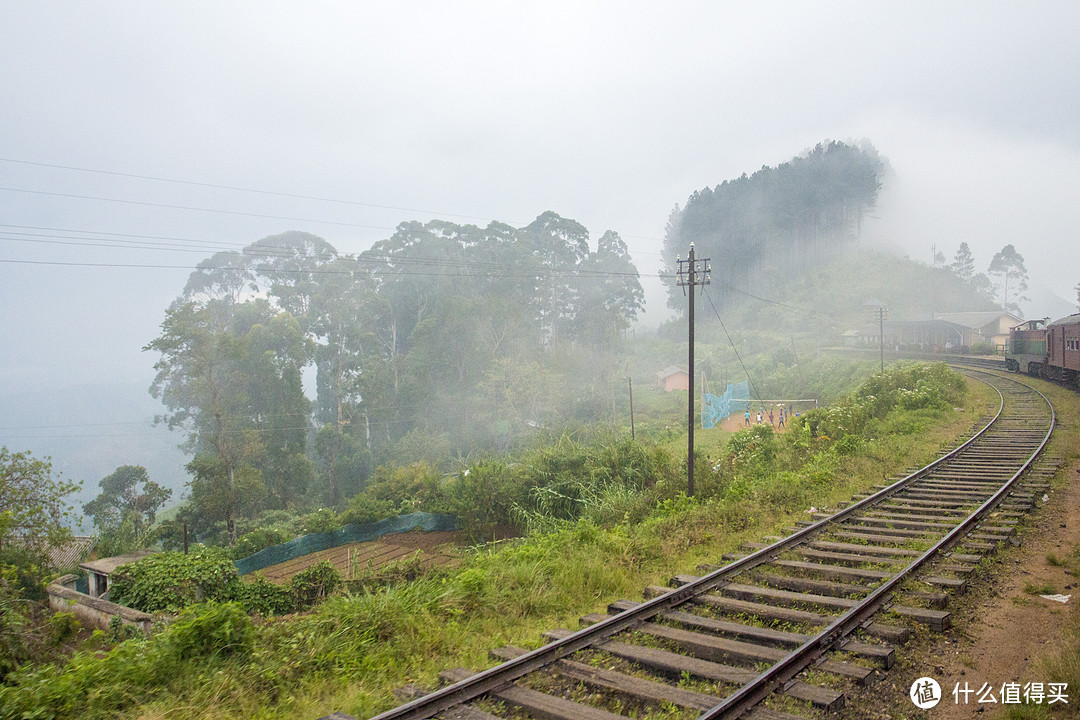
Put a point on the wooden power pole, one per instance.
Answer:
(691, 273)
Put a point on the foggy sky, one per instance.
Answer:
(607, 113)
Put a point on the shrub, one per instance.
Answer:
(258, 539)
(63, 628)
(314, 584)
(210, 629)
(364, 508)
(370, 578)
(264, 597)
(170, 581)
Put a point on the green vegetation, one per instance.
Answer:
(125, 510)
(592, 545)
(422, 353)
(171, 581)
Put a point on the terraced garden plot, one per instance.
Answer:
(436, 548)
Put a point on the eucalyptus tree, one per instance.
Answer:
(344, 314)
(290, 268)
(229, 376)
(126, 507)
(611, 295)
(1008, 267)
(556, 246)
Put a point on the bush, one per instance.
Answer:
(370, 578)
(170, 581)
(264, 597)
(259, 539)
(63, 628)
(314, 584)
(210, 629)
(364, 508)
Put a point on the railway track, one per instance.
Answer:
(789, 625)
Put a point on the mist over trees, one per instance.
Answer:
(440, 341)
(789, 217)
(1008, 267)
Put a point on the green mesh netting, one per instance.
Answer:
(716, 408)
(307, 544)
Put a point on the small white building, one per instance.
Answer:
(100, 570)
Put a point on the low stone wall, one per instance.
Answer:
(91, 611)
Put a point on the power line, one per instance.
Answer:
(732, 343)
(259, 191)
(236, 188)
(145, 203)
(494, 273)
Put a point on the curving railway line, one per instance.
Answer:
(788, 625)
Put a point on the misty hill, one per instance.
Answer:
(798, 214)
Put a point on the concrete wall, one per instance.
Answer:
(91, 611)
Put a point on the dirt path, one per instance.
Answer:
(1003, 638)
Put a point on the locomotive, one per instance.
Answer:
(1050, 351)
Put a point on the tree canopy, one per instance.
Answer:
(418, 344)
(797, 213)
(1008, 267)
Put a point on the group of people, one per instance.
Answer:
(785, 416)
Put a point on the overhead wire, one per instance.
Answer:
(732, 343)
(258, 191)
(236, 188)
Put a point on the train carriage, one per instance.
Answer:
(1063, 349)
(1051, 352)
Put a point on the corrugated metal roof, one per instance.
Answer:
(1067, 320)
(71, 554)
(669, 371)
(68, 555)
(976, 319)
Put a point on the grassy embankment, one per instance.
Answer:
(351, 652)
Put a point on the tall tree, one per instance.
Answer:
(345, 314)
(230, 377)
(128, 495)
(1008, 266)
(610, 295)
(291, 268)
(963, 265)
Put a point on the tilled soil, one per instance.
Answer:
(436, 548)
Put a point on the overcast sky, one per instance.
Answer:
(608, 113)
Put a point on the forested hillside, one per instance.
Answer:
(440, 341)
(789, 217)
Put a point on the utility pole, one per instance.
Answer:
(878, 308)
(691, 273)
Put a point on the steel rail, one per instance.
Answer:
(504, 673)
(797, 660)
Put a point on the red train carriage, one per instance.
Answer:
(1052, 352)
(1063, 350)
